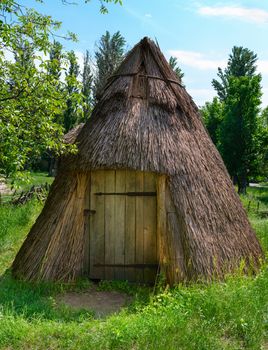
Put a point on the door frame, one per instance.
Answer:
(160, 185)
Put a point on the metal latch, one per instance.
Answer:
(88, 212)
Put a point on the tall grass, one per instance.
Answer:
(228, 315)
(15, 223)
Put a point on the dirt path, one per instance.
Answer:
(103, 303)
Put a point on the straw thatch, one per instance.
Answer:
(72, 134)
(146, 121)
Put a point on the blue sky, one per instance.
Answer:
(200, 33)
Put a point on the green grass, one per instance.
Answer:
(229, 315)
(15, 223)
(31, 179)
(25, 183)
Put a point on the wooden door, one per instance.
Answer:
(123, 235)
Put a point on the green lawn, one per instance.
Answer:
(32, 179)
(222, 315)
(25, 183)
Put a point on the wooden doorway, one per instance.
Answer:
(122, 226)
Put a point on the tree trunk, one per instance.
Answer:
(235, 180)
(52, 166)
(242, 184)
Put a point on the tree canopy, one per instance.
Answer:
(173, 62)
(33, 97)
(234, 119)
(109, 54)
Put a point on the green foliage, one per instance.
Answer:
(173, 62)
(103, 7)
(263, 139)
(29, 96)
(56, 57)
(239, 132)
(87, 87)
(241, 63)
(212, 115)
(227, 315)
(110, 53)
(35, 109)
(240, 146)
(73, 89)
(24, 183)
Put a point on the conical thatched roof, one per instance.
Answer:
(146, 121)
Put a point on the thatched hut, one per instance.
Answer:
(147, 190)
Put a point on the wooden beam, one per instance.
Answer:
(161, 219)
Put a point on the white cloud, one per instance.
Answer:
(254, 15)
(148, 15)
(197, 60)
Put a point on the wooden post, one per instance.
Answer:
(86, 225)
(161, 219)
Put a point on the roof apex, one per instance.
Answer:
(146, 59)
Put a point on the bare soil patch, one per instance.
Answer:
(4, 189)
(102, 303)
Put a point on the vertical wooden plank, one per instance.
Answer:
(149, 228)
(97, 225)
(130, 238)
(120, 216)
(109, 224)
(139, 226)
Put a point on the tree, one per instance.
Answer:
(109, 54)
(262, 169)
(103, 7)
(240, 137)
(56, 57)
(173, 62)
(87, 86)
(73, 98)
(212, 115)
(241, 63)
(30, 99)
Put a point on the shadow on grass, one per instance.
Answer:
(40, 300)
